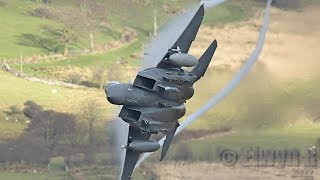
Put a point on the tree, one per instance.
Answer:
(96, 13)
(90, 112)
(32, 109)
(73, 24)
(100, 74)
(51, 126)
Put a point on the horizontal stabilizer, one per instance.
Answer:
(167, 142)
(205, 60)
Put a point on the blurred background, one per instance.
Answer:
(57, 55)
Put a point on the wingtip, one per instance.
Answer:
(215, 42)
(162, 155)
(161, 159)
(202, 5)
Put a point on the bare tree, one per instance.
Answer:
(48, 124)
(96, 14)
(90, 112)
(73, 24)
(74, 135)
(100, 74)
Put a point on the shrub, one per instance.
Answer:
(183, 153)
(44, 12)
(318, 142)
(3, 4)
(14, 110)
(75, 78)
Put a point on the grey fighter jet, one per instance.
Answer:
(155, 101)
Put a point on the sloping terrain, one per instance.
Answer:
(285, 80)
(291, 48)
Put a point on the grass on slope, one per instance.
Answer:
(14, 23)
(16, 91)
(34, 176)
(119, 15)
(228, 12)
(113, 56)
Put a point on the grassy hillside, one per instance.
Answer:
(138, 16)
(15, 92)
(18, 22)
(14, 23)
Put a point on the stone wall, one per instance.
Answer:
(8, 69)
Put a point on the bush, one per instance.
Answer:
(14, 110)
(32, 109)
(75, 78)
(90, 84)
(44, 12)
(26, 148)
(3, 4)
(183, 153)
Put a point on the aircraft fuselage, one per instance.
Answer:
(155, 101)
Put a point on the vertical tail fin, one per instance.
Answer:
(205, 60)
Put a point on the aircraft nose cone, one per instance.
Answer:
(114, 93)
(114, 96)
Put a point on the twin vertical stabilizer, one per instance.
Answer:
(205, 60)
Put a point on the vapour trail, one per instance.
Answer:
(211, 3)
(232, 84)
(119, 131)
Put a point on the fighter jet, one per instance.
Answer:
(154, 102)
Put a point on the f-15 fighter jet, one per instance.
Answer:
(155, 101)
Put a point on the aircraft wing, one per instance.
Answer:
(132, 157)
(180, 34)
